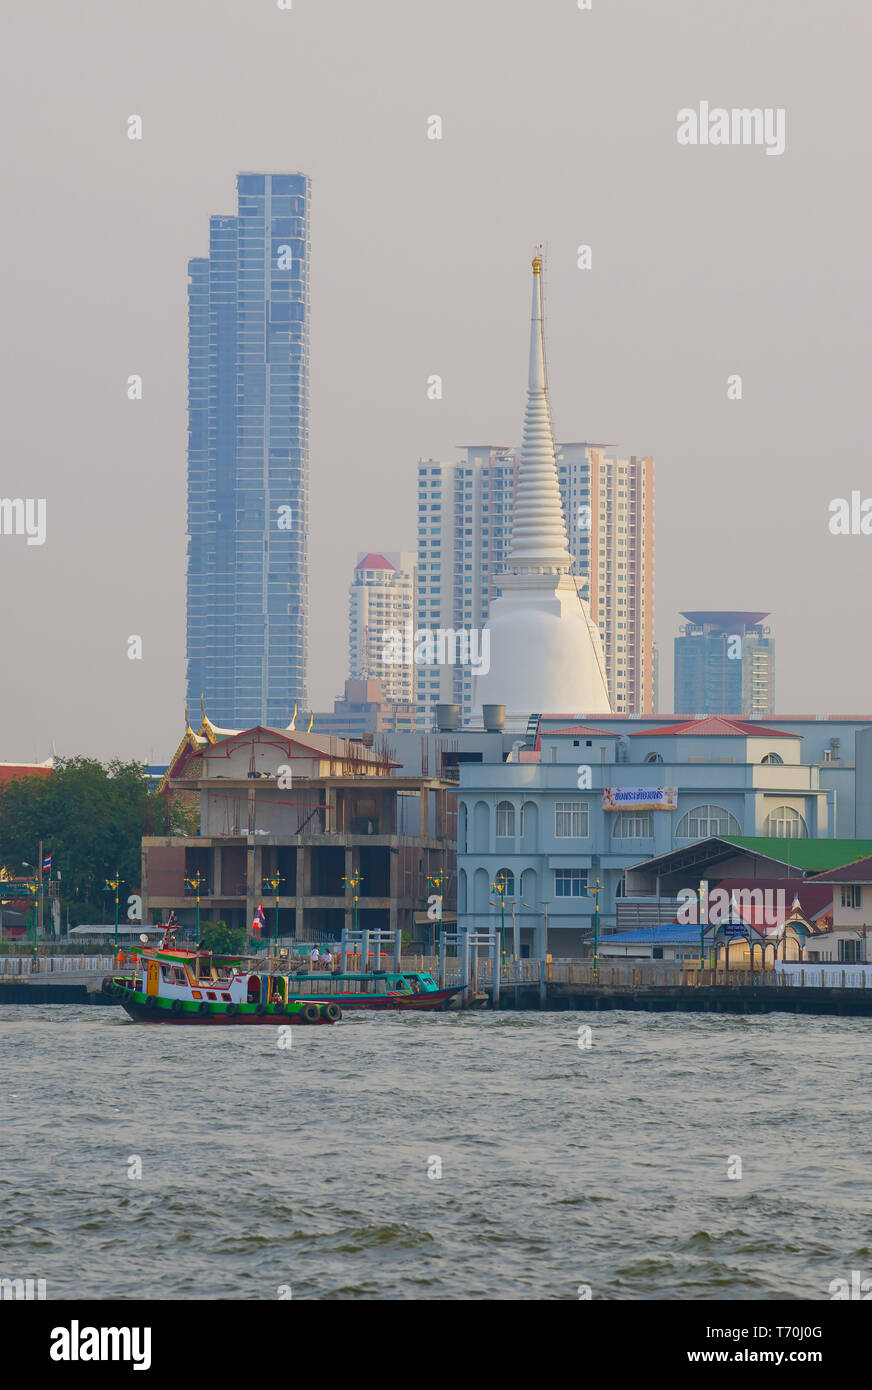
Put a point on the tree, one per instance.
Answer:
(91, 818)
(221, 939)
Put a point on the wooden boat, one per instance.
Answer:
(374, 989)
(174, 985)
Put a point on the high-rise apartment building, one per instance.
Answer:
(382, 602)
(621, 567)
(248, 468)
(465, 515)
(725, 664)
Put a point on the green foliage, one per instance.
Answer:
(221, 939)
(91, 818)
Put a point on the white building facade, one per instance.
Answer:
(382, 602)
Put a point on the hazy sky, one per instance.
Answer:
(560, 127)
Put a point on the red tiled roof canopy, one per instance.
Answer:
(374, 562)
(716, 726)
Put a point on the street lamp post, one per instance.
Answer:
(595, 892)
(273, 883)
(438, 882)
(114, 884)
(33, 888)
(354, 881)
(500, 887)
(195, 883)
(703, 887)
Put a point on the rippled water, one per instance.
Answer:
(308, 1167)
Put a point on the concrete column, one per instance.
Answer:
(424, 803)
(304, 887)
(252, 883)
(394, 919)
(217, 876)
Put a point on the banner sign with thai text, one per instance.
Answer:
(640, 798)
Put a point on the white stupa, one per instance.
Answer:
(545, 650)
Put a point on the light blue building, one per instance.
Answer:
(591, 799)
(248, 468)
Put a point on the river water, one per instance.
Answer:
(307, 1169)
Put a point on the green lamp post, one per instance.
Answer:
(195, 883)
(273, 883)
(594, 893)
(499, 886)
(113, 884)
(438, 882)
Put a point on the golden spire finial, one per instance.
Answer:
(537, 265)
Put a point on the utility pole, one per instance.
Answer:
(39, 892)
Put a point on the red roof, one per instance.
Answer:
(10, 772)
(716, 726)
(374, 562)
(815, 899)
(859, 871)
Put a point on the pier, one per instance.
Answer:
(653, 987)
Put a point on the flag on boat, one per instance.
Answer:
(46, 864)
(259, 919)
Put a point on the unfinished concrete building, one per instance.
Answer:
(326, 816)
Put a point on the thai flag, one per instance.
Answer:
(46, 864)
(259, 919)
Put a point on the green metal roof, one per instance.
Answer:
(804, 854)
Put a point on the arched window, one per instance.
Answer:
(505, 820)
(786, 824)
(505, 881)
(772, 758)
(704, 821)
(654, 758)
(461, 828)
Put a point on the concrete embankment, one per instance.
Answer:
(41, 990)
(728, 999)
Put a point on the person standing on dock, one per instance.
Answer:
(313, 958)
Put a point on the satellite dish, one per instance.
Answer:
(143, 937)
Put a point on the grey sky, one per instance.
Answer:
(559, 126)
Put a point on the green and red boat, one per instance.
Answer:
(173, 985)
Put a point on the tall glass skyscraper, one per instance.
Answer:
(248, 457)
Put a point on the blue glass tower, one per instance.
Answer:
(248, 457)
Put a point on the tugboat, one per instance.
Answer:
(173, 985)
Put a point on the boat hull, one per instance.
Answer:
(427, 1002)
(244, 1014)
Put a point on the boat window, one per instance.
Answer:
(179, 976)
(166, 973)
(210, 994)
(226, 996)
